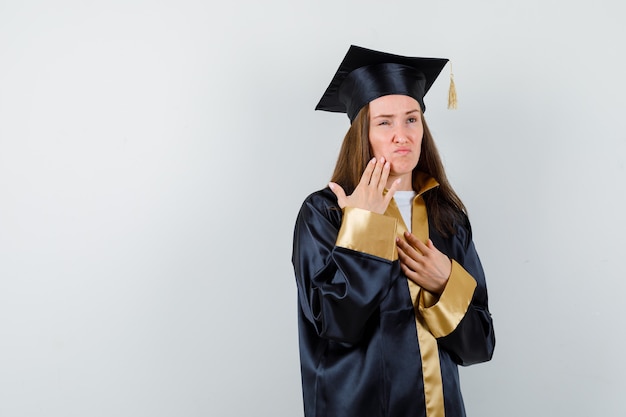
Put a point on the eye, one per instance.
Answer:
(383, 123)
(412, 120)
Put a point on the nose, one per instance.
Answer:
(400, 133)
(399, 138)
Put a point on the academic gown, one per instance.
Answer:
(373, 343)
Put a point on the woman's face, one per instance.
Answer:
(396, 133)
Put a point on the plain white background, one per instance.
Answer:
(154, 155)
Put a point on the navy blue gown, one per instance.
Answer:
(372, 343)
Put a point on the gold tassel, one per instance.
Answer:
(452, 101)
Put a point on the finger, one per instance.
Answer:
(412, 239)
(407, 255)
(367, 174)
(402, 256)
(406, 249)
(415, 243)
(411, 274)
(375, 180)
(339, 192)
(392, 190)
(428, 248)
(382, 182)
(408, 272)
(421, 246)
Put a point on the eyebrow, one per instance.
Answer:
(391, 115)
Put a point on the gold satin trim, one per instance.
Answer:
(429, 351)
(368, 232)
(449, 310)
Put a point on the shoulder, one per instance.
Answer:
(321, 202)
(463, 230)
(458, 235)
(458, 244)
(323, 197)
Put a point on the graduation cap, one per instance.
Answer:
(365, 75)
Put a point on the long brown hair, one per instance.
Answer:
(444, 206)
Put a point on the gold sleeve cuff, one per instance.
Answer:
(443, 315)
(368, 232)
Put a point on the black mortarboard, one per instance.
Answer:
(365, 75)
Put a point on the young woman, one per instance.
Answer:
(391, 291)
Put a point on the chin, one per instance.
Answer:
(402, 170)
